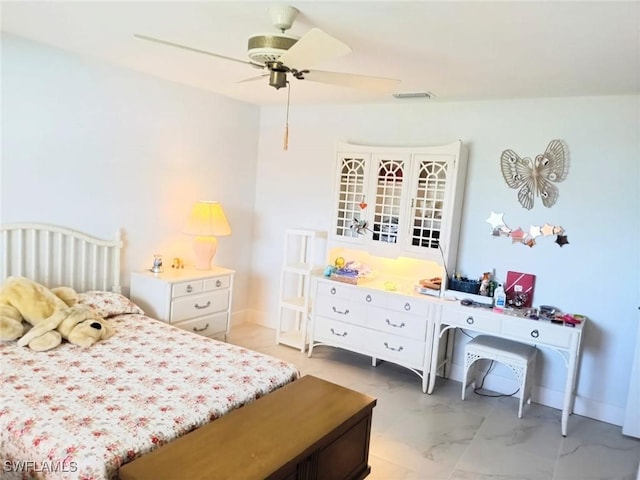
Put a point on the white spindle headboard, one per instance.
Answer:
(58, 256)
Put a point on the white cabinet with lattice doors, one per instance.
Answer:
(400, 201)
(304, 252)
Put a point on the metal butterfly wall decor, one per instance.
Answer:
(536, 177)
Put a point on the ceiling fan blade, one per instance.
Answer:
(197, 50)
(253, 79)
(363, 82)
(313, 48)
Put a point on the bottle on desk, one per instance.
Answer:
(499, 298)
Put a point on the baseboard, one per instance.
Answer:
(548, 397)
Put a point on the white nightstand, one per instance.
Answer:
(195, 300)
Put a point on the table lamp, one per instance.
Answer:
(206, 222)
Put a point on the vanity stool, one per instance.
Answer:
(519, 357)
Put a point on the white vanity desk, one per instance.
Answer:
(562, 339)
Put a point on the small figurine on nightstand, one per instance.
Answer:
(157, 264)
(177, 263)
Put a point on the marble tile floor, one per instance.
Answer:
(439, 437)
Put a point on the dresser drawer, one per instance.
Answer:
(408, 305)
(341, 309)
(399, 349)
(536, 331)
(334, 289)
(216, 283)
(397, 323)
(199, 305)
(186, 288)
(370, 297)
(472, 318)
(207, 326)
(339, 333)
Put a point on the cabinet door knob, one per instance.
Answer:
(189, 288)
(345, 312)
(368, 298)
(333, 290)
(535, 333)
(407, 306)
(470, 320)
(196, 329)
(200, 307)
(218, 283)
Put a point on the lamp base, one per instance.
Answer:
(205, 249)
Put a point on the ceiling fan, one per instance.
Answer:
(282, 54)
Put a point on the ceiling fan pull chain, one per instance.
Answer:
(286, 125)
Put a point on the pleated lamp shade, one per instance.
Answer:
(206, 222)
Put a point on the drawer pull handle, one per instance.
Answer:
(399, 349)
(368, 298)
(407, 306)
(470, 320)
(333, 290)
(196, 329)
(346, 312)
(535, 333)
(218, 283)
(200, 307)
(189, 289)
(395, 324)
(343, 334)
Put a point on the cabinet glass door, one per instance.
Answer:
(389, 181)
(428, 206)
(352, 200)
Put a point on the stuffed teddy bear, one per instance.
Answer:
(41, 318)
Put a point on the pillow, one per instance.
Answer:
(108, 304)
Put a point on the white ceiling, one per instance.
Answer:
(456, 50)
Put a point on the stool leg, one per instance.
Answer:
(470, 366)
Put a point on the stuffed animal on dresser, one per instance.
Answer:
(41, 318)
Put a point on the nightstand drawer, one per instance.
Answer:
(206, 326)
(186, 288)
(216, 283)
(199, 305)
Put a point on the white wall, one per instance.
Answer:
(96, 147)
(599, 207)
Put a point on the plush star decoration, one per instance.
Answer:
(534, 231)
(495, 220)
(547, 229)
(517, 235)
(562, 240)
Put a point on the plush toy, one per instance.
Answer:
(41, 318)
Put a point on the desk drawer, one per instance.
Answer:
(472, 319)
(537, 332)
(396, 323)
(216, 283)
(339, 333)
(341, 309)
(408, 305)
(199, 305)
(399, 349)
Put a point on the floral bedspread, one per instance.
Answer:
(74, 413)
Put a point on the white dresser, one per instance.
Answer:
(195, 300)
(396, 327)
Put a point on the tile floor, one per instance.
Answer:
(440, 437)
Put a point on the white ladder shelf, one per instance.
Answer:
(301, 258)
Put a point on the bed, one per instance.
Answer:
(74, 413)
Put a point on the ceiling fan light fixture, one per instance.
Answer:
(282, 16)
(426, 95)
(268, 47)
